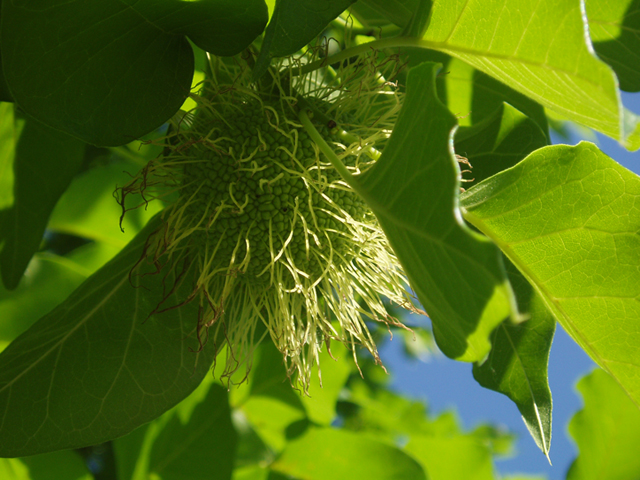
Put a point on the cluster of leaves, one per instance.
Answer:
(560, 229)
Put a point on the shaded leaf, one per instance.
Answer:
(66, 464)
(498, 143)
(96, 367)
(539, 49)
(49, 279)
(105, 73)
(45, 162)
(517, 364)
(568, 218)
(615, 32)
(457, 275)
(607, 432)
(294, 24)
(399, 12)
(195, 440)
(328, 454)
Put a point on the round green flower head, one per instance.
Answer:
(272, 230)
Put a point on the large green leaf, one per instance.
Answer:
(474, 96)
(294, 24)
(458, 275)
(47, 282)
(45, 162)
(607, 432)
(111, 71)
(517, 364)
(615, 32)
(96, 367)
(539, 49)
(195, 440)
(329, 454)
(568, 218)
(498, 143)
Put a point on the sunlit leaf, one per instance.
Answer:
(441, 457)
(96, 367)
(615, 32)
(329, 454)
(457, 274)
(539, 49)
(607, 432)
(568, 218)
(320, 404)
(111, 71)
(45, 162)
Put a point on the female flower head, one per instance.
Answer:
(264, 222)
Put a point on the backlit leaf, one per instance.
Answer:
(539, 49)
(329, 454)
(607, 432)
(568, 218)
(615, 33)
(457, 274)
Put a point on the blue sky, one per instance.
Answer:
(445, 384)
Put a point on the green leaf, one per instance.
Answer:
(48, 281)
(458, 275)
(615, 33)
(446, 458)
(96, 367)
(498, 143)
(607, 432)
(108, 73)
(399, 12)
(321, 402)
(10, 130)
(195, 440)
(568, 218)
(539, 49)
(88, 208)
(517, 364)
(273, 405)
(45, 162)
(220, 27)
(328, 454)
(294, 24)
(65, 464)
(474, 96)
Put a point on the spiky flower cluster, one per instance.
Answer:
(275, 234)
